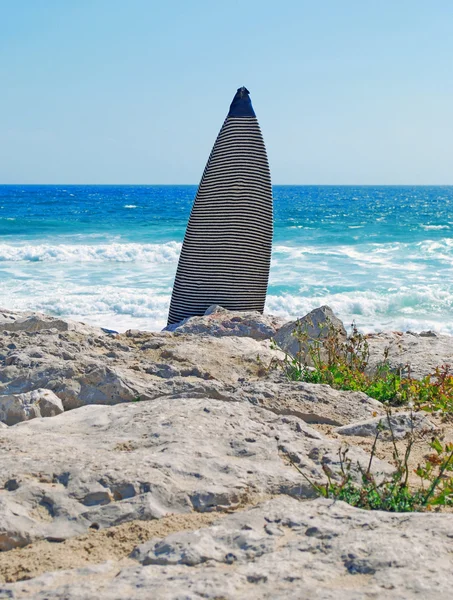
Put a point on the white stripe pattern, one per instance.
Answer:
(226, 253)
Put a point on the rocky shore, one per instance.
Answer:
(155, 465)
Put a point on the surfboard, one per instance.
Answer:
(226, 253)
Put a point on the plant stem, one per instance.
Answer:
(436, 481)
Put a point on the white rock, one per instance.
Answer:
(314, 403)
(401, 424)
(283, 549)
(15, 408)
(83, 369)
(32, 322)
(423, 353)
(316, 325)
(109, 464)
(218, 321)
(216, 432)
(104, 370)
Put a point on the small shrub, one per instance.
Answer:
(344, 366)
(393, 493)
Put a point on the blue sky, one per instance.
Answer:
(107, 91)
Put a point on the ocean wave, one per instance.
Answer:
(391, 255)
(434, 227)
(389, 286)
(415, 308)
(104, 306)
(433, 245)
(130, 206)
(151, 306)
(440, 250)
(121, 307)
(394, 255)
(157, 253)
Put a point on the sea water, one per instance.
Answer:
(107, 255)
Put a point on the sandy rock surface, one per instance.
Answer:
(311, 402)
(423, 352)
(109, 369)
(397, 425)
(281, 549)
(98, 466)
(33, 322)
(164, 432)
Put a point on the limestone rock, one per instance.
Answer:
(103, 465)
(316, 325)
(421, 351)
(32, 322)
(314, 403)
(218, 321)
(83, 370)
(102, 369)
(400, 423)
(283, 549)
(176, 422)
(23, 407)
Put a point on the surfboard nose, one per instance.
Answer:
(241, 105)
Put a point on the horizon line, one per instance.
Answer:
(273, 185)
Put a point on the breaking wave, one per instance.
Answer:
(394, 285)
(121, 253)
(434, 227)
(408, 308)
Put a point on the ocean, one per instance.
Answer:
(107, 255)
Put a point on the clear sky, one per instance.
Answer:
(135, 91)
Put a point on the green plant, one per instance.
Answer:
(433, 393)
(344, 365)
(392, 493)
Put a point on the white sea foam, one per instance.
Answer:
(130, 206)
(122, 305)
(391, 255)
(116, 252)
(407, 308)
(104, 306)
(434, 227)
(115, 309)
(380, 286)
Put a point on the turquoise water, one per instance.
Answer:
(382, 256)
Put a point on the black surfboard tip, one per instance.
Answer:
(242, 105)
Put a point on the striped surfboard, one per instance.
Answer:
(226, 252)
